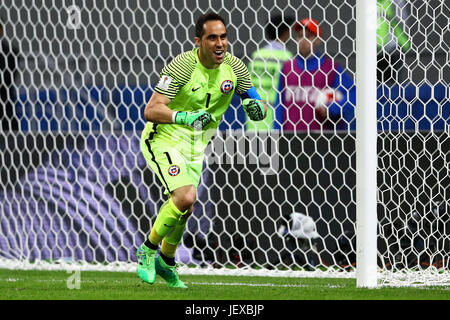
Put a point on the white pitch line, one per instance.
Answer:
(193, 283)
(247, 284)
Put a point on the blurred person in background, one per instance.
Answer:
(392, 39)
(315, 93)
(266, 64)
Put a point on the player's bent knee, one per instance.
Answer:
(184, 197)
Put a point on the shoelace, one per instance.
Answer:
(141, 256)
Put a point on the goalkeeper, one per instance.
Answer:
(193, 93)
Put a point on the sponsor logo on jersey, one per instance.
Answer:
(226, 86)
(164, 82)
(174, 170)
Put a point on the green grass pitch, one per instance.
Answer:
(57, 285)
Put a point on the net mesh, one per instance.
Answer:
(76, 190)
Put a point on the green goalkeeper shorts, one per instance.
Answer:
(169, 160)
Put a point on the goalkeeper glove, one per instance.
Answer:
(254, 108)
(197, 120)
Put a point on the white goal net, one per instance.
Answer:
(76, 190)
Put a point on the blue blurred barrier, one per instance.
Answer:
(62, 110)
(129, 102)
(407, 107)
(413, 107)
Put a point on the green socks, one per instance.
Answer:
(174, 237)
(166, 222)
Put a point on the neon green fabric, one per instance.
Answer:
(192, 87)
(265, 71)
(167, 219)
(176, 162)
(175, 152)
(387, 21)
(174, 237)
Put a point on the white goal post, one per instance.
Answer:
(363, 193)
(366, 143)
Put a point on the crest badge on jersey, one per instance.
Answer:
(174, 170)
(226, 86)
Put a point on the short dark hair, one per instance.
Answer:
(210, 16)
(278, 25)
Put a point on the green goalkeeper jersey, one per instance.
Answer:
(192, 87)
